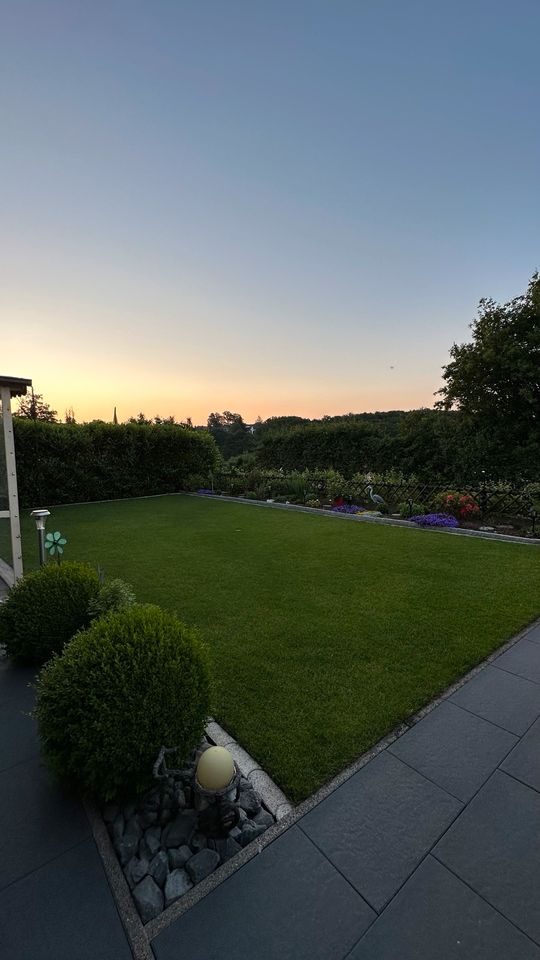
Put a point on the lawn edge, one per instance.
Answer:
(382, 521)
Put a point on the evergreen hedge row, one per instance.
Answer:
(68, 463)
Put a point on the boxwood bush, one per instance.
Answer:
(45, 609)
(134, 681)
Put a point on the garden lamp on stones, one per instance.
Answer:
(216, 787)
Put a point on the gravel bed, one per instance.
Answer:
(161, 850)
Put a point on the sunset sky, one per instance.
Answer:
(288, 206)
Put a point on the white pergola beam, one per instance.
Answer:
(13, 497)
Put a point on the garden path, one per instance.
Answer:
(429, 852)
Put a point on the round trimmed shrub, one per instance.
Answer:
(134, 681)
(114, 594)
(45, 609)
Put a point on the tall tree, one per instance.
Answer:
(495, 379)
(230, 433)
(33, 407)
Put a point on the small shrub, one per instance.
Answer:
(414, 509)
(313, 503)
(45, 609)
(113, 595)
(132, 682)
(462, 506)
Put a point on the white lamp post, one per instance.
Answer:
(40, 516)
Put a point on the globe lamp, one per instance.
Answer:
(215, 769)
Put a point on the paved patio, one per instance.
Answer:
(429, 852)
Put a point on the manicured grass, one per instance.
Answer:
(324, 633)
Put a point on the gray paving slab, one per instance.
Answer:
(39, 820)
(522, 659)
(494, 847)
(454, 748)
(534, 633)
(437, 917)
(503, 698)
(63, 911)
(378, 825)
(15, 685)
(524, 760)
(288, 903)
(18, 738)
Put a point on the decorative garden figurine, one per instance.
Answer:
(54, 544)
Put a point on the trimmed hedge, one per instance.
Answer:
(68, 463)
(45, 609)
(135, 681)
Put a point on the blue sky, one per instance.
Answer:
(260, 206)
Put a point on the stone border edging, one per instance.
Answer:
(269, 792)
(388, 521)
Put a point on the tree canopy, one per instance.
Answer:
(33, 407)
(494, 381)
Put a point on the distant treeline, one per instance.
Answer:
(434, 445)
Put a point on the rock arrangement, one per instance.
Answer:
(161, 850)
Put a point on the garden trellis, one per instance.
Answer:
(10, 532)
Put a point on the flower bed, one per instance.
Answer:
(435, 520)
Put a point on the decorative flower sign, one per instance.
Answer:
(55, 543)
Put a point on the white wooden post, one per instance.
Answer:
(13, 499)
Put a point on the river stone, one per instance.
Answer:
(202, 864)
(176, 885)
(133, 828)
(148, 818)
(118, 826)
(198, 841)
(149, 899)
(250, 831)
(249, 801)
(150, 843)
(180, 829)
(264, 818)
(136, 870)
(227, 848)
(126, 848)
(159, 867)
(110, 812)
(178, 858)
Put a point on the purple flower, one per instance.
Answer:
(347, 508)
(203, 490)
(436, 520)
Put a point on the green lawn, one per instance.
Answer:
(324, 633)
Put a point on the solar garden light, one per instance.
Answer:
(40, 516)
(215, 785)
